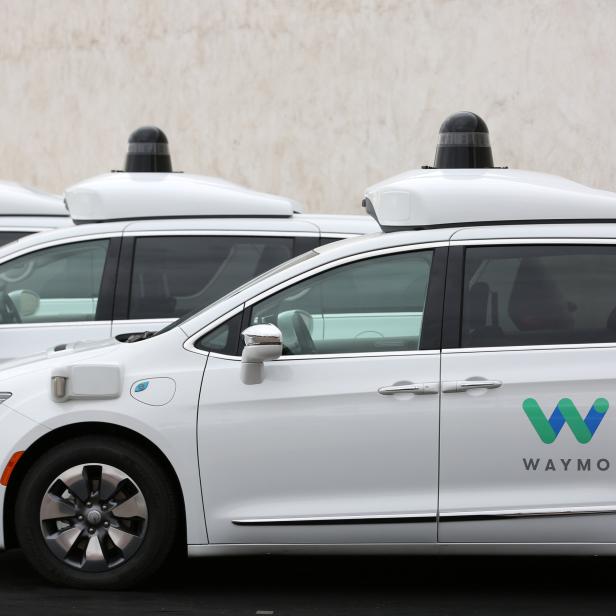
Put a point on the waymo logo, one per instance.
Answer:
(565, 413)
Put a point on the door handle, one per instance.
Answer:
(450, 387)
(411, 388)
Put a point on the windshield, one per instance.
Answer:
(275, 270)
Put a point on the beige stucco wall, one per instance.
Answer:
(315, 99)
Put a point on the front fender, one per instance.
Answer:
(17, 433)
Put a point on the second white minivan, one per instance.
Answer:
(156, 247)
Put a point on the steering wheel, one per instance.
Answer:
(8, 310)
(302, 333)
(20, 275)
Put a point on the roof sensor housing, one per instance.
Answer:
(464, 143)
(148, 151)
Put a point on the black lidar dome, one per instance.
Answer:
(464, 143)
(148, 151)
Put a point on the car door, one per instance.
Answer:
(528, 410)
(164, 277)
(57, 294)
(338, 444)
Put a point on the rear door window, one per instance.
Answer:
(174, 275)
(539, 295)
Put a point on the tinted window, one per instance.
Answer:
(175, 275)
(328, 240)
(10, 236)
(375, 305)
(275, 270)
(57, 284)
(533, 295)
(224, 339)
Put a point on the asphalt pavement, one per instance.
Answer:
(308, 586)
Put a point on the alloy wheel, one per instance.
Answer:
(93, 517)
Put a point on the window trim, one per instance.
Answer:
(340, 236)
(540, 241)
(54, 324)
(452, 342)
(24, 229)
(232, 232)
(189, 342)
(537, 347)
(125, 322)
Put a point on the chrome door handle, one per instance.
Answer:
(465, 385)
(411, 388)
(450, 387)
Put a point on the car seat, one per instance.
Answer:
(536, 303)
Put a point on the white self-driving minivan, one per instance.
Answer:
(445, 386)
(148, 246)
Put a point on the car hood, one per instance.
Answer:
(63, 350)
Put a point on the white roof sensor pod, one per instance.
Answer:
(149, 189)
(465, 188)
(18, 200)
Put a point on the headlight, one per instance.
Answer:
(4, 396)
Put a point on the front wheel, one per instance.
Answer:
(96, 512)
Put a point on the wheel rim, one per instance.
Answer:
(93, 517)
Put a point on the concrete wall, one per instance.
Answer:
(315, 99)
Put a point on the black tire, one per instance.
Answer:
(157, 539)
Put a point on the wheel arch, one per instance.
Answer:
(58, 435)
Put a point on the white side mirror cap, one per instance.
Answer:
(263, 343)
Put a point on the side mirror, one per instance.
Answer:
(263, 343)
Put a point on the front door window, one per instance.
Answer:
(55, 285)
(372, 306)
